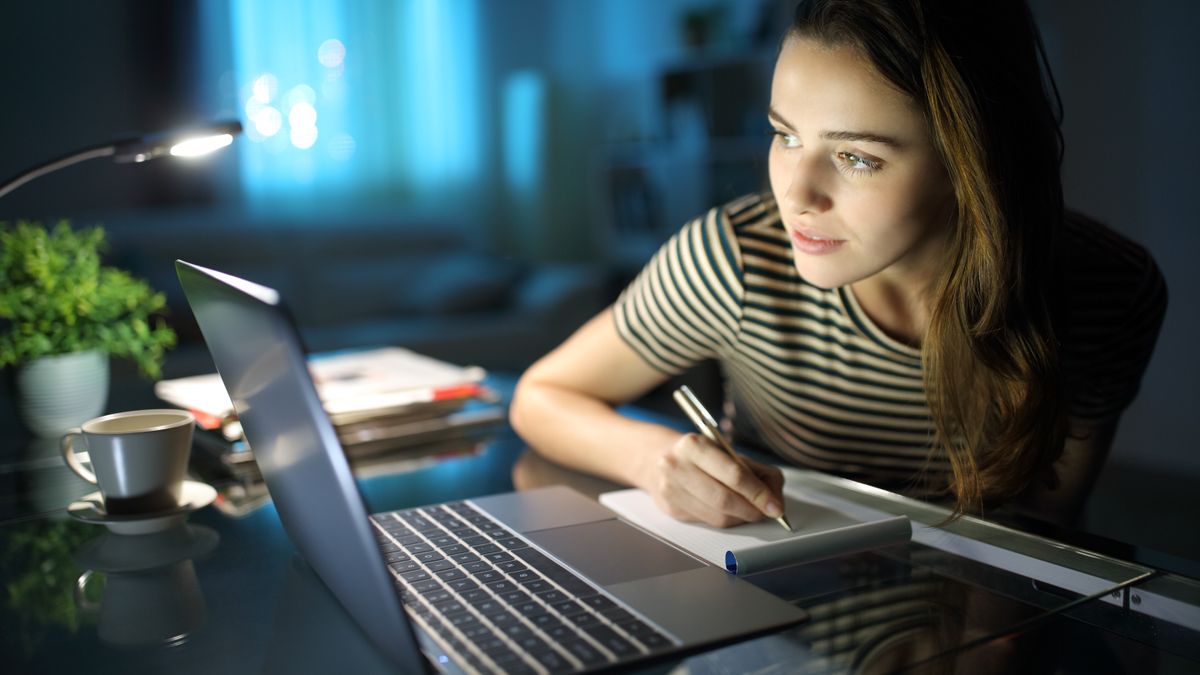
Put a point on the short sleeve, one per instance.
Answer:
(1116, 299)
(685, 306)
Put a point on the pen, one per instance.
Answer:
(708, 426)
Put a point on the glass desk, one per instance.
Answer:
(227, 593)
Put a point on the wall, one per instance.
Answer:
(1130, 88)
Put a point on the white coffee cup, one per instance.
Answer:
(139, 458)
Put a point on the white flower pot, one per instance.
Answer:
(56, 393)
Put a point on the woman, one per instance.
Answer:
(909, 306)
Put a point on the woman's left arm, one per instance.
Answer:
(1083, 456)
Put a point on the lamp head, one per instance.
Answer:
(187, 143)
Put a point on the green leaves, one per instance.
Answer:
(57, 298)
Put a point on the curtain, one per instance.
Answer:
(365, 101)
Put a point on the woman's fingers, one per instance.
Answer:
(755, 486)
(698, 481)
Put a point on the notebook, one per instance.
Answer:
(539, 581)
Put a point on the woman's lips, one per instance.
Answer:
(814, 243)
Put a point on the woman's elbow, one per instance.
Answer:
(520, 414)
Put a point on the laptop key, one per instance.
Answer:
(438, 596)
(516, 631)
(502, 586)
(477, 595)
(489, 606)
(475, 631)
(539, 586)
(514, 597)
(484, 549)
(512, 566)
(452, 575)
(465, 619)
(511, 543)
(584, 619)
(487, 576)
(493, 645)
(427, 586)
(599, 603)
(514, 665)
(449, 607)
(546, 621)
(654, 641)
(609, 639)
(583, 651)
(568, 607)
(553, 662)
(415, 575)
(405, 566)
(462, 585)
(477, 566)
(645, 634)
(428, 556)
(531, 608)
(525, 575)
(617, 615)
(439, 565)
(502, 619)
(531, 643)
(498, 557)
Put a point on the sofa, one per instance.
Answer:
(424, 285)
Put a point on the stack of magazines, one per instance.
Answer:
(377, 399)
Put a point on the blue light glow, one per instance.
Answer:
(389, 89)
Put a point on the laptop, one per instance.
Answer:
(538, 581)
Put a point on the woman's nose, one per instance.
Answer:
(807, 189)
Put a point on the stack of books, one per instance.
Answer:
(377, 399)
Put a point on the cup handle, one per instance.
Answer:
(81, 600)
(68, 453)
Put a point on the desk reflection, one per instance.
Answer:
(891, 610)
(150, 594)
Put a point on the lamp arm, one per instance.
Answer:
(24, 177)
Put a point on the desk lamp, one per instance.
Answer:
(187, 143)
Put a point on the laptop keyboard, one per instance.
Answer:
(498, 605)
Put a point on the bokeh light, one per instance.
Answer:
(331, 53)
(304, 137)
(302, 115)
(268, 121)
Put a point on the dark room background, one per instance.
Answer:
(564, 134)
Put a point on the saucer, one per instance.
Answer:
(114, 553)
(90, 509)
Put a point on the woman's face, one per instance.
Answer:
(858, 182)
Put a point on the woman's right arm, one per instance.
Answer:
(564, 407)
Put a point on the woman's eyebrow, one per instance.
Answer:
(861, 136)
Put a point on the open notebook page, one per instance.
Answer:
(820, 532)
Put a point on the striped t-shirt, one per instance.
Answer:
(810, 377)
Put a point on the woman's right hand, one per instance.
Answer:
(694, 480)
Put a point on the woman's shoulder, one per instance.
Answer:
(755, 212)
(1114, 302)
(1106, 266)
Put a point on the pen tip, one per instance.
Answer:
(784, 522)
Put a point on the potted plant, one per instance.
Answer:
(62, 314)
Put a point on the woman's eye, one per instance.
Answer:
(855, 162)
(786, 140)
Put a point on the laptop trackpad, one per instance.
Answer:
(612, 552)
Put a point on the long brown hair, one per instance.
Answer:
(990, 357)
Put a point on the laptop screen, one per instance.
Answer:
(259, 356)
